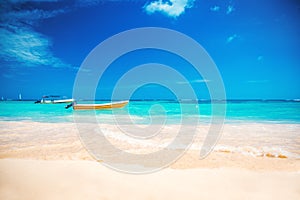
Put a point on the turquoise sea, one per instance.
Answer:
(254, 128)
(244, 111)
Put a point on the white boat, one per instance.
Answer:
(54, 99)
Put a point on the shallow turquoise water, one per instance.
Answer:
(278, 111)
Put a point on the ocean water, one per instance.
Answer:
(145, 112)
(253, 128)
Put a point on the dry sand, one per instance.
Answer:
(28, 179)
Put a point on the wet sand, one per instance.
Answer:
(267, 147)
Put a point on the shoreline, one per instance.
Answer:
(242, 145)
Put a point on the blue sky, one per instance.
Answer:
(254, 43)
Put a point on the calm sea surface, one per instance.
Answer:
(144, 111)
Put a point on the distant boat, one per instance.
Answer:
(119, 104)
(53, 99)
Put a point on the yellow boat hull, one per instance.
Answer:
(119, 104)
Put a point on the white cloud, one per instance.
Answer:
(201, 81)
(20, 43)
(194, 81)
(32, 16)
(172, 8)
(230, 9)
(215, 8)
(27, 47)
(231, 38)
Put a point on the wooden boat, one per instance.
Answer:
(119, 104)
(54, 99)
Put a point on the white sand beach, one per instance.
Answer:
(48, 161)
(32, 179)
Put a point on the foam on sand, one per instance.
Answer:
(60, 141)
